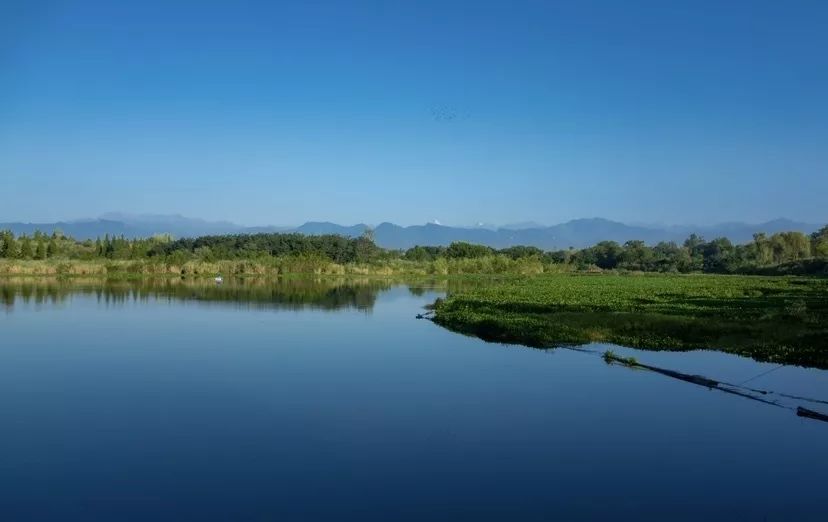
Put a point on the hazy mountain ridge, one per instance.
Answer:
(577, 233)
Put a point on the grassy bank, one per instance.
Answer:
(782, 319)
(272, 266)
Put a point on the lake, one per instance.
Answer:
(327, 400)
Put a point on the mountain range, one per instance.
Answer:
(577, 233)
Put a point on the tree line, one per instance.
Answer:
(695, 254)
(338, 249)
(717, 256)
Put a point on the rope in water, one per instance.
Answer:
(761, 375)
(740, 385)
(741, 391)
(736, 389)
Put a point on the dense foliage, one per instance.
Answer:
(783, 319)
(337, 249)
(716, 256)
(782, 253)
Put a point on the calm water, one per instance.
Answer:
(328, 401)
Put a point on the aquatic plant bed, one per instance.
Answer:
(782, 319)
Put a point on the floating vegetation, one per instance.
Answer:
(610, 357)
(775, 319)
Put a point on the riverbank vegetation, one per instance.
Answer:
(780, 319)
(275, 254)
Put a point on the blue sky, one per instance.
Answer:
(278, 113)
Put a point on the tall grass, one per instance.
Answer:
(275, 266)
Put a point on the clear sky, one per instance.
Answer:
(281, 112)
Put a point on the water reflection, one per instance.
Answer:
(170, 404)
(265, 293)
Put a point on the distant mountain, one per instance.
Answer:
(314, 228)
(522, 225)
(132, 226)
(577, 233)
(179, 226)
(85, 229)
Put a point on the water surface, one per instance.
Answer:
(327, 400)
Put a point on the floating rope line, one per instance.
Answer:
(741, 391)
(761, 375)
(797, 397)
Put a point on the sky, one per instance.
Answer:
(499, 112)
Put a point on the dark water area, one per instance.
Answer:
(327, 400)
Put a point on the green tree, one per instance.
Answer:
(799, 245)
(40, 251)
(521, 252)
(606, 254)
(636, 256)
(26, 250)
(108, 247)
(790, 246)
(718, 256)
(694, 244)
(695, 247)
(204, 253)
(819, 242)
(761, 249)
(11, 249)
(461, 249)
(6, 239)
(669, 257)
(419, 253)
(120, 248)
(52, 249)
(365, 249)
(558, 256)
